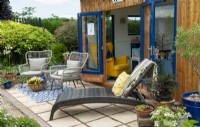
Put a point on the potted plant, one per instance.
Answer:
(36, 84)
(143, 111)
(171, 117)
(163, 89)
(6, 83)
(188, 45)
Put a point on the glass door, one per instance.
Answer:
(90, 40)
(158, 31)
(165, 36)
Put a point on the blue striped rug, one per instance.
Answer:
(42, 96)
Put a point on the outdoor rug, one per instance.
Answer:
(44, 95)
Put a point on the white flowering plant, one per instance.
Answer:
(163, 115)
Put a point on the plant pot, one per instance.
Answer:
(10, 75)
(37, 87)
(192, 106)
(168, 103)
(7, 85)
(144, 113)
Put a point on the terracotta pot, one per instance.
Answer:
(144, 113)
(168, 103)
(10, 75)
(37, 87)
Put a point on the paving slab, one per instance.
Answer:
(104, 122)
(125, 117)
(96, 105)
(109, 110)
(58, 114)
(75, 109)
(64, 122)
(89, 116)
(41, 108)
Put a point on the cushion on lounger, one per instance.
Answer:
(119, 83)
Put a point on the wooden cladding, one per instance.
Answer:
(188, 14)
(105, 5)
(147, 12)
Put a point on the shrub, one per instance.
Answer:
(68, 35)
(16, 39)
(7, 120)
(51, 24)
(58, 49)
(26, 122)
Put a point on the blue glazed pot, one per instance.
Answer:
(191, 106)
(7, 85)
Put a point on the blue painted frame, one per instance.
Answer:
(99, 39)
(152, 30)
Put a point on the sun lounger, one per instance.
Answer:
(104, 95)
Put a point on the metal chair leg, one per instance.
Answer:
(22, 78)
(62, 85)
(82, 84)
(74, 83)
(52, 83)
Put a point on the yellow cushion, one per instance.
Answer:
(119, 83)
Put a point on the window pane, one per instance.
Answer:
(133, 25)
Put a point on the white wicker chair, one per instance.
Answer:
(36, 62)
(71, 71)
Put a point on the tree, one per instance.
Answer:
(28, 12)
(188, 45)
(5, 10)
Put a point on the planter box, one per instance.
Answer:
(37, 87)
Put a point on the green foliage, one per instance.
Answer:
(5, 10)
(4, 80)
(188, 45)
(163, 115)
(133, 26)
(164, 88)
(143, 107)
(140, 107)
(26, 12)
(7, 120)
(108, 29)
(22, 38)
(26, 122)
(189, 123)
(68, 35)
(51, 24)
(58, 49)
(10, 69)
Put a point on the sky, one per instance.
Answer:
(45, 8)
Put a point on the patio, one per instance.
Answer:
(86, 115)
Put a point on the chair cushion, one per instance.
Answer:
(31, 73)
(119, 83)
(121, 67)
(36, 63)
(73, 64)
(66, 73)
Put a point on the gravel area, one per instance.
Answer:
(12, 110)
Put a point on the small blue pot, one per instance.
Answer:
(191, 106)
(7, 85)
